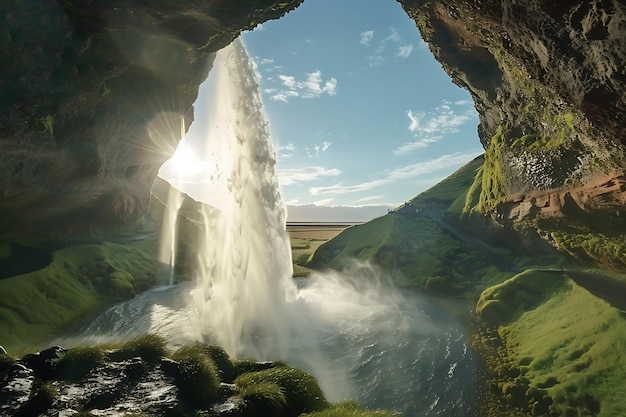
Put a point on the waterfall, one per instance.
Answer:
(353, 330)
(169, 235)
(243, 278)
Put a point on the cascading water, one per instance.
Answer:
(353, 330)
(244, 267)
(169, 238)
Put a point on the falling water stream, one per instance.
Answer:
(362, 338)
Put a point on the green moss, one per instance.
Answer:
(76, 363)
(149, 347)
(503, 302)
(5, 250)
(351, 412)
(576, 342)
(471, 198)
(78, 280)
(198, 377)
(48, 125)
(361, 242)
(494, 188)
(302, 392)
(267, 399)
(444, 193)
(604, 250)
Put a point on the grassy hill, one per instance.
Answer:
(552, 326)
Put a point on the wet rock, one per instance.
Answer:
(16, 388)
(135, 368)
(170, 367)
(43, 363)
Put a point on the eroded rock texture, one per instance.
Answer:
(548, 81)
(93, 98)
(94, 95)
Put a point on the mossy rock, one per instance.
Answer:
(198, 378)
(149, 347)
(79, 361)
(501, 303)
(301, 390)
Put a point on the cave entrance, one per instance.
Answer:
(360, 112)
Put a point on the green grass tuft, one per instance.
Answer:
(150, 347)
(350, 411)
(198, 378)
(266, 399)
(79, 361)
(301, 390)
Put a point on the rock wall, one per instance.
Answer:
(548, 81)
(93, 98)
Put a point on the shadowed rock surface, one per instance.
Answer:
(94, 96)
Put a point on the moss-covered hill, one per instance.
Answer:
(46, 286)
(550, 326)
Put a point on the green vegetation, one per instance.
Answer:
(349, 410)
(149, 347)
(302, 393)
(447, 191)
(198, 378)
(78, 280)
(494, 186)
(565, 356)
(79, 361)
(267, 399)
(505, 302)
(603, 250)
(304, 242)
(424, 255)
(48, 125)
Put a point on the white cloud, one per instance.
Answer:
(288, 147)
(284, 96)
(323, 147)
(370, 198)
(366, 37)
(296, 175)
(324, 202)
(312, 86)
(399, 174)
(405, 51)
(378, 58)
(288, 81)
(414, 121)
(285, 151)
(442, 119)
(420, 143)
(393, 36)
(432, 126)
(330, 86)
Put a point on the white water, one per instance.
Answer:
(357, 334)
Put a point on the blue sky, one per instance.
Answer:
(360, 112)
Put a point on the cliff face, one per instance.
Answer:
(548, 81)
(94, 96)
